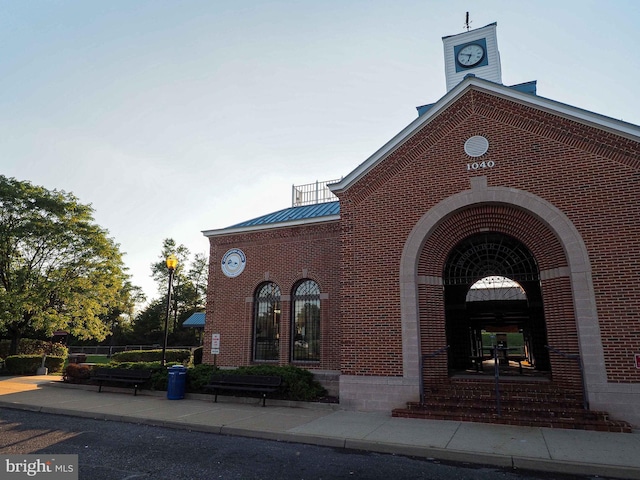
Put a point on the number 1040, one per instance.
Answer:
(480, 165)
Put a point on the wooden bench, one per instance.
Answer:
(121, 375)
(244, 383)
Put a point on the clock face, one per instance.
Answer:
(470, 55)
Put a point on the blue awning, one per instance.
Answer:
(195, 321)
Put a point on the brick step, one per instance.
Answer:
(557, 402)
(482, 390)
(516, 419)
(524, 411)
(489, 385)
(469, 392)
(526, 403)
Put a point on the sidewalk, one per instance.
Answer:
(615, 455)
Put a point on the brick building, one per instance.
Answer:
(500, 230)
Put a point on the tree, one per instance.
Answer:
(187, 297)
(149, 324)
(120, 318)
(58, 269)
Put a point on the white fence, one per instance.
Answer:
(312, 193)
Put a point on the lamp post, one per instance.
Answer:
(172, 263)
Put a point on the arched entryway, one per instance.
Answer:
(493, 307)
(565, 277)
(438, 234)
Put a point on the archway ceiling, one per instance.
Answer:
(489, 254)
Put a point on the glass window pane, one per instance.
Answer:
(306, 322)
(267, 323)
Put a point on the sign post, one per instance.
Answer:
(215, 347)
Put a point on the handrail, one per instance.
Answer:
(578, 358)
(572, 356)
(437, 352)
(422, 358)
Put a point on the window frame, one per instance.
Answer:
(267, 302)
(306, 335)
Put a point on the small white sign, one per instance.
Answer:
(215, 344)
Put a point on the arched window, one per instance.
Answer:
(306, 322)
(266, 324)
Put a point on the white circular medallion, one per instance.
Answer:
(233, 262)
(476, 146)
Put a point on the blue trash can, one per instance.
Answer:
(177, 382)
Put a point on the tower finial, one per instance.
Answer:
(467, 22)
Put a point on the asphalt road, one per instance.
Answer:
(110, 450)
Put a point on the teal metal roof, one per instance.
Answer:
(195, 321)
(304, 212)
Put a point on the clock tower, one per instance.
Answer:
(476, 52)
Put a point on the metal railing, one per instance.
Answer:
(496, 360)
(578, 359)
(312, 193)
(422, 358)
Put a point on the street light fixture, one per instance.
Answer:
(172, 263)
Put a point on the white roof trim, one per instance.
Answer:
(269, 226)
(611, 125)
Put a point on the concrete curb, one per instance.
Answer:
(573, 468)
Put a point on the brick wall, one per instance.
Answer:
(284, 256)
(589, 174)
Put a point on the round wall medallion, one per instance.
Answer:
(233, 262)
(476, 146)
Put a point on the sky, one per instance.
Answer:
(175, 117)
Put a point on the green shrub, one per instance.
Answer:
(198, 377)
(23, 364)
(55, 364)
(29, 364)
(298, 383)
(75, 373)
(173, 356)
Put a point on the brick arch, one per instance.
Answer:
(564, 262)
(498, 218)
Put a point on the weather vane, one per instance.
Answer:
(467, 22)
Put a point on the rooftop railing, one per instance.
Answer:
(312, 193)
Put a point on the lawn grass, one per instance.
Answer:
(98, 359)
(513, 339)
